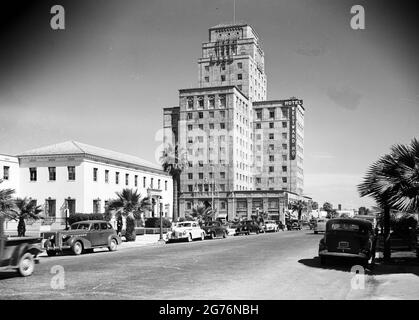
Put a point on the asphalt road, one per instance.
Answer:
(279, 265)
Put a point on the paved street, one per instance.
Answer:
(268, 266)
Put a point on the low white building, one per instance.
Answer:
(73, 177)
(9, 172)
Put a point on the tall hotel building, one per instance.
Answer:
(245, 153)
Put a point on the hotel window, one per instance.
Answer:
(190, 102)
(284, 113)
(190, 127)
(284, 146)
(71, 173)
(200, 115)
(206, 79)
(284, 157)
(190, 115)
(152, 183)
(284, 168)
(96, 206)
(200, 139)
(190, 164)
(271, 147)
(258, 126)
(211, 114)
(222, 187)
(206, 68)
(271, 169)
(135, 181)
(284, 124)
(271, 125)
(284, 179)
(126, 179)
(200, 175)
(258, 180)
(200, 101)
(258, 136)
(240, 65)
(165, 185)
(50, 208)
(222, 100)
(106, 176)
(211, 101)
(94, 174)
(239, 76)
(71, 205)
(190, 176)
(271, 136)
(222, 175)
(200, 163)
(223, 67)
(190, 187)
(158, 184)
(259, 115)
(32, 174)
(188, 205)
(284, 135)
(52, 173)
(211, 126)
(272, 114)
(222, 125)
(223, 205)
(222, 114)
(200, 126)
(6, 173)
(190, 140)
(144, 182)
(271, 180)
(258, 147)
(117, 177)
(271, 158)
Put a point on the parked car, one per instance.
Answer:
(348, 238)
(82, 236)
(247, 227)
(231, 228)
(186, 230)
(271, 226)
(214, 229)
(320, 226)
(294, 225)
(19, 253)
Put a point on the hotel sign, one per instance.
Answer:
(293, 102)
(293, 132)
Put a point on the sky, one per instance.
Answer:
(105, 79)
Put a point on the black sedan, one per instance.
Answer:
(247, 227)
(214, 229)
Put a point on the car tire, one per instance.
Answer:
(51, 253)
(316, 232)
(225, 234)
(202, 236)
(323, 260)
(26, 264)
(77, 248)
(213, 236)
(113, 245)
(190, 239)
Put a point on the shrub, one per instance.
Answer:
(83, 217)
(155, 223)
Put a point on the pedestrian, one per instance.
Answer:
(119, 225)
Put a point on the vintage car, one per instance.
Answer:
(186, 230)
(214, 229)
(231, 228)
(320, 225)
(348, 238)
(19, 253)
(293, 225)
(248, 226)
(271, 226)
(82, 236)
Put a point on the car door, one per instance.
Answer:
(105, 232)
(94, 234)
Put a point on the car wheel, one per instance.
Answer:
(203, 236)
(190, 238)
(225, 234)
(323, 260)
(113, 245)
(51, 253)
(77, 248)
(213, 236)
(26, 265)
(316, 232)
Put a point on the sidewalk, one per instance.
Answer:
(141, 240)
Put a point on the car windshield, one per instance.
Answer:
(80, 226)
(209, 224)
(184, 224)
(345, 227)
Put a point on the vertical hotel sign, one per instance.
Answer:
(293, 104)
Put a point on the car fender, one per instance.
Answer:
(21, 249)
(86, 243)
(114, 236)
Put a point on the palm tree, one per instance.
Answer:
(6, 204)
(25, 208)
(174, 161)
(299, 206)
(393, 181)
(202, 213)
(130, 205)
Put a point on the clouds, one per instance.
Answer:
(344, 97)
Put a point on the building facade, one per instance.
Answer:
(244, 152)
(73, 177)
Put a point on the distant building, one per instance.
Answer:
(246, 153)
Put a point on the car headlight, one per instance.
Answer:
(185, 232)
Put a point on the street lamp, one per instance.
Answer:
(161, 240)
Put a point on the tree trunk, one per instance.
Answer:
(130, 234)
(21, 228)
(387, 248)
(176, 183)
